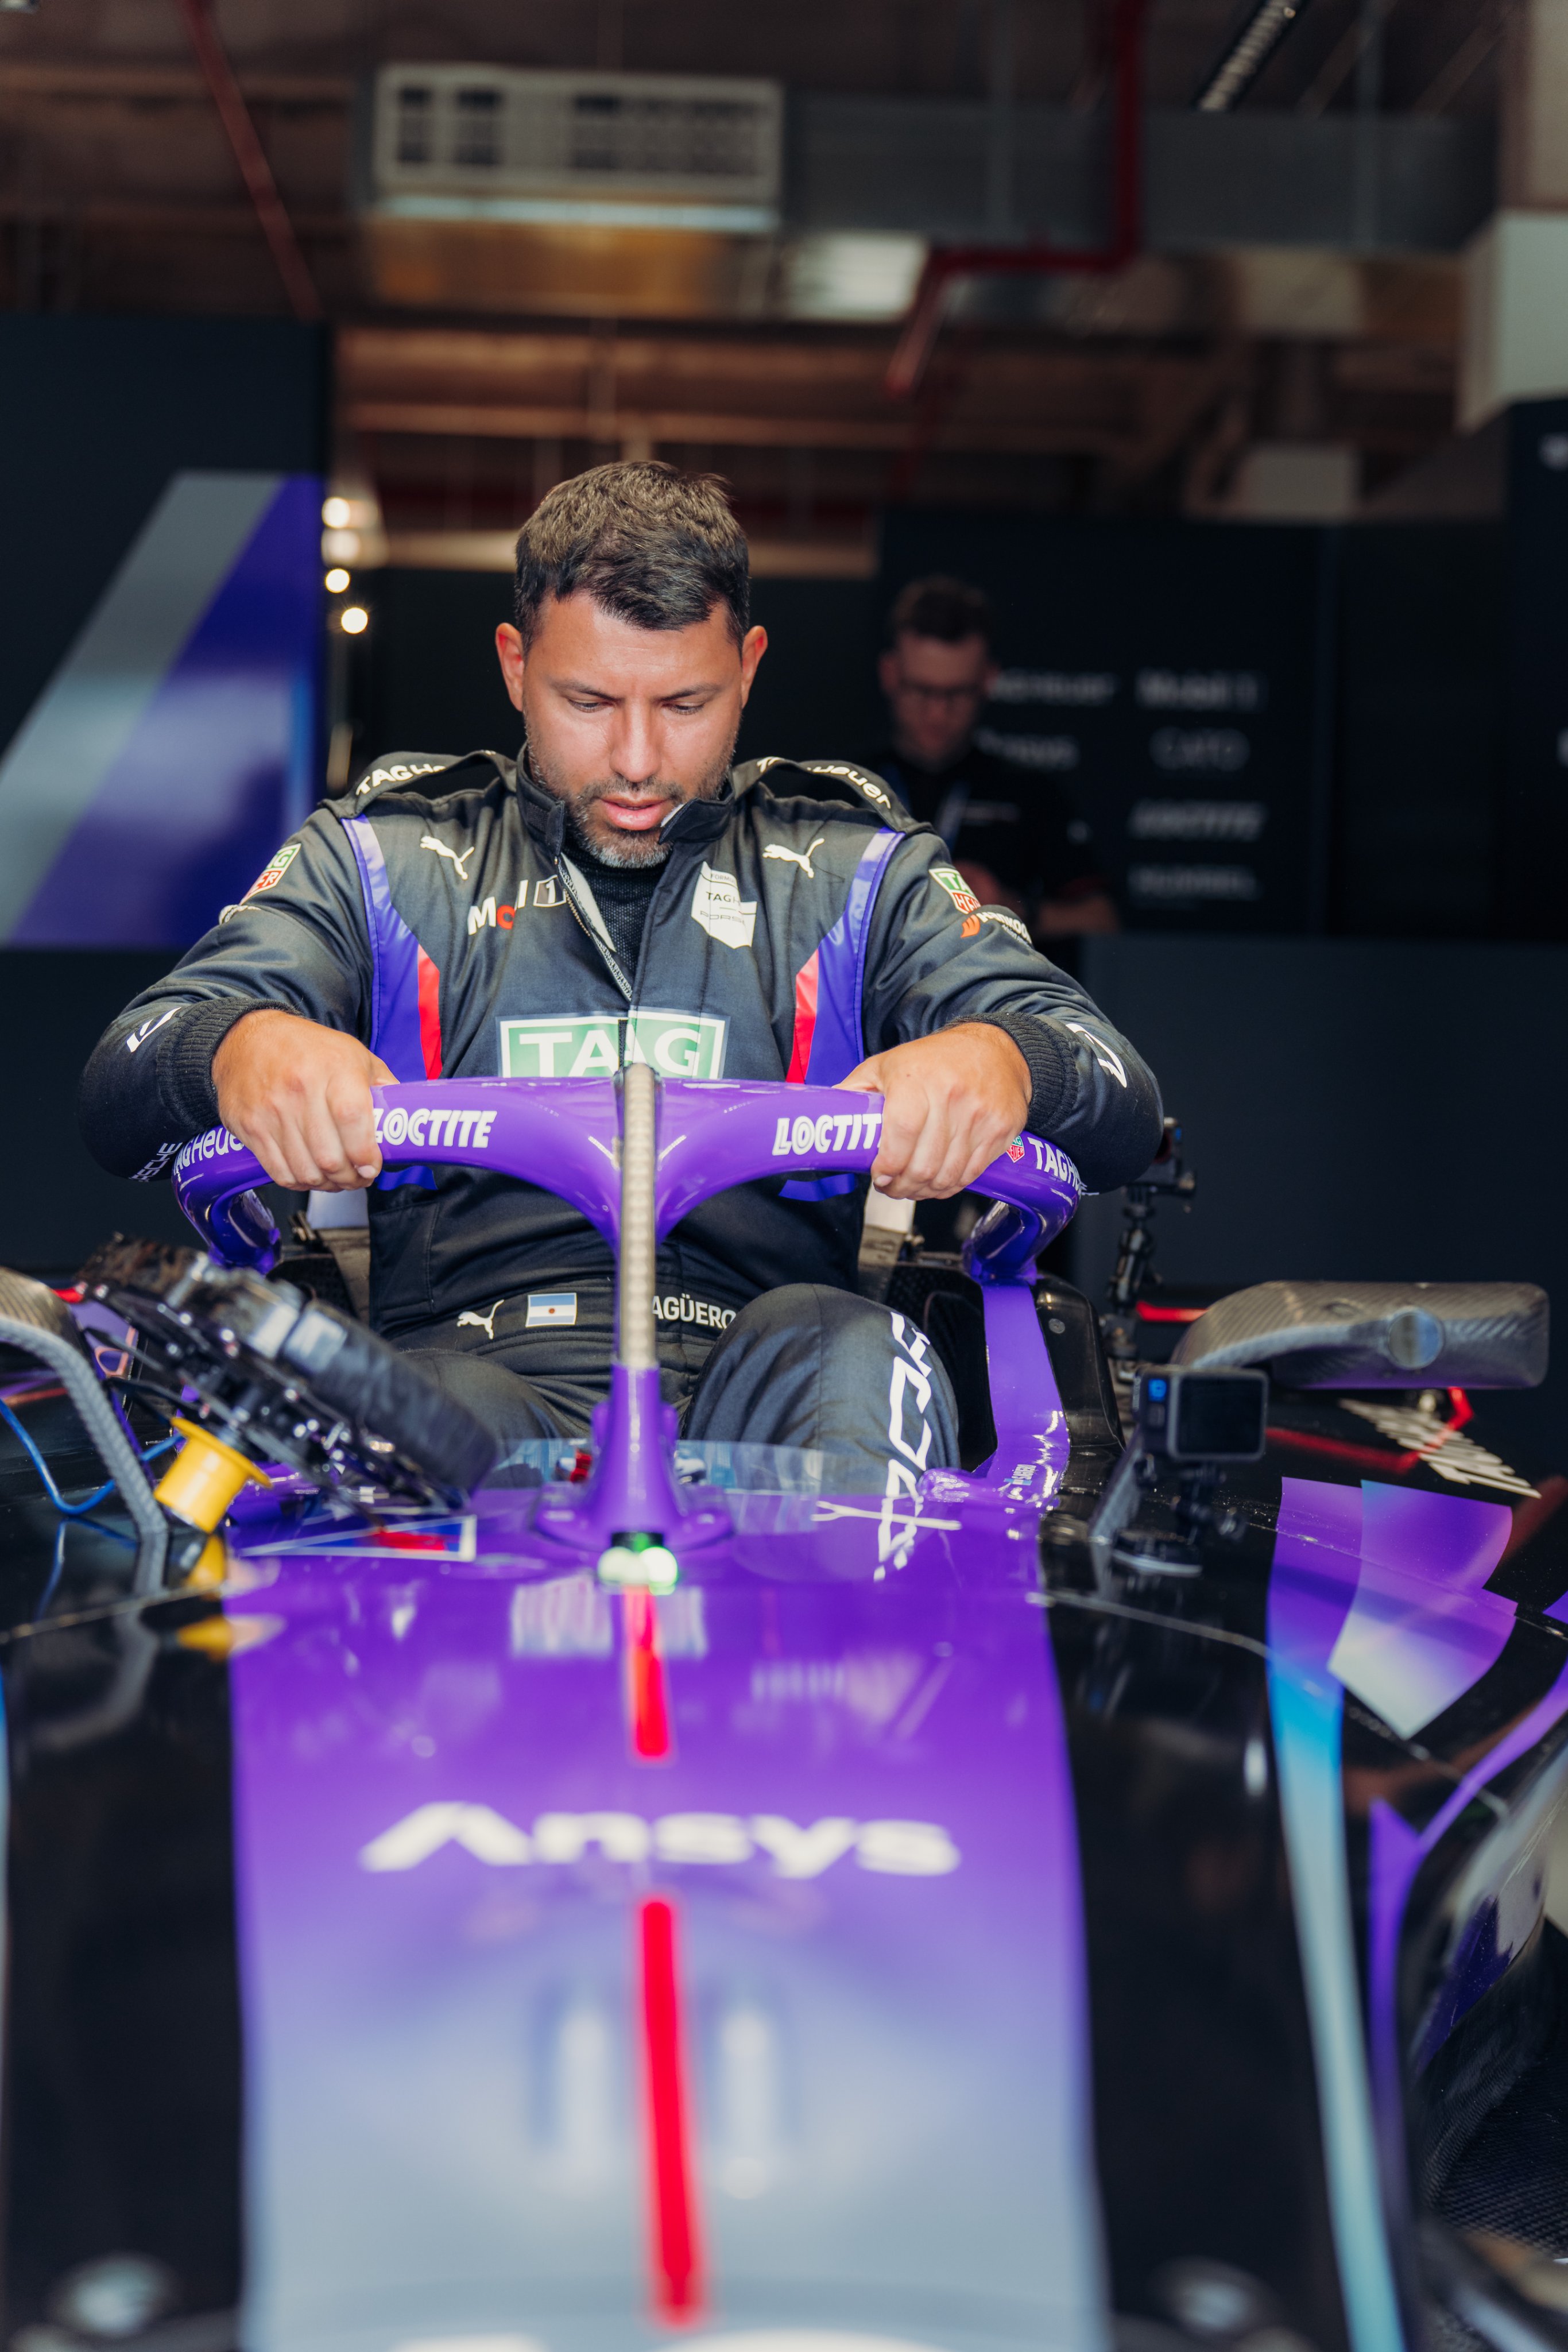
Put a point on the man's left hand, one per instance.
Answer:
(952, 1102)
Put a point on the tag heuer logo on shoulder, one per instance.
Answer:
(958, 889)
(588, 1045)
(718, 907)
(270, 875)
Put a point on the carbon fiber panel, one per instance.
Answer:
(1372, 1335)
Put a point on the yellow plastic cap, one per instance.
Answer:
(204, 1477)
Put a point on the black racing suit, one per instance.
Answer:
(435, 915)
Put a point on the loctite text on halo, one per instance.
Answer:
(841, 1132)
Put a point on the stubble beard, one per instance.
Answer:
(608, 845)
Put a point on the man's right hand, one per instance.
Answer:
(299, 1096)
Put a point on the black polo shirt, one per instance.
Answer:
(993, 813)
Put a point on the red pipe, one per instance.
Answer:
(249, 155)
(946, 264)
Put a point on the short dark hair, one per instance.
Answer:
(941, 608)
(653, 546)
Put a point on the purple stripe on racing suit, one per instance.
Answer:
(395, 961)
(838, 1040)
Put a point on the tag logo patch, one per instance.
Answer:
(588, 1045)
(271, 876)
(724, 914)
(949, 878)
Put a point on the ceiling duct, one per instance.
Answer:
(502, 189)
(600, 149)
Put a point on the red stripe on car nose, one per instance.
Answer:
(678, 2280)
(647, 1695)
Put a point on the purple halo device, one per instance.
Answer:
(635, 1156)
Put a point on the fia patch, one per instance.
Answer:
(718, 907)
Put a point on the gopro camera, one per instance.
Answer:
(1185, 1413)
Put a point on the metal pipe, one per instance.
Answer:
(249, 155)
(1245, 53)
(636, 1345)
(32, 1319)
(948, 264)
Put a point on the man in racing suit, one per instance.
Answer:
(622, 891)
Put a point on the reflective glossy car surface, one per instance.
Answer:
(899, 1930)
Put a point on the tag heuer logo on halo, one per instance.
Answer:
(587, 1045)
(958, 889)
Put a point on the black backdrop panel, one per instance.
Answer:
(1377, 650)
(96, 415)
(425, 677)
(1534, 848)
(1420, 728)
(55, 1202)
(424, 674)
(815, 696)
(1168, 676)
(1324, 1088)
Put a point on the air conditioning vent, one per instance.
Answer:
(474, 141)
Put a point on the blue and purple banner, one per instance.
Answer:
(176, 744)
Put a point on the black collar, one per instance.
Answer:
(693, 824)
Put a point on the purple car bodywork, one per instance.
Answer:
(834, 1753)
(735, 1958)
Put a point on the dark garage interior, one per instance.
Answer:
(1093, 1897)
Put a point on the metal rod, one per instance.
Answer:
(1245, 54)
(636, 1341)
(250, 156)
(23, 1325)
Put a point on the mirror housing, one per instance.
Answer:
(1378, 1335)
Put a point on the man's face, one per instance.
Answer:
(935, 692)
(624, 724)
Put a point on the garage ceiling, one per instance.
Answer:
(478, 360)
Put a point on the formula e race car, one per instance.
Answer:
(1089, 1900)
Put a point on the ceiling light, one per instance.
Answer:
(353, 620)
(1249, 52)
(337, 581)
(340, 547)
(337, 513)
(835, 275)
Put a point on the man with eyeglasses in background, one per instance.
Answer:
(1010, 831)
